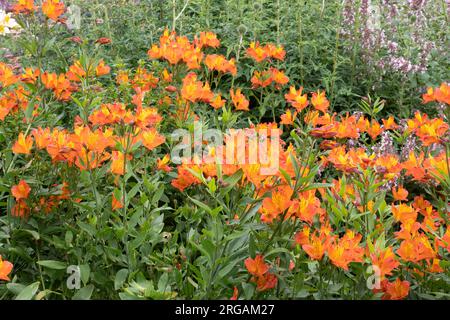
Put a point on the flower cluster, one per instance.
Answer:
(334, 193)
(52, 9)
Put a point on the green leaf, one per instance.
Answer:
(231, 181)
(201, 205)
(317, 186)
(286, 176)
(52, 264)
(212, 185)
(277, 251)
(33, 233)
(84, 293)
(248, 290)
(87, 228)
(163, 282)
(227, 269)
(252, 246)
(15, 288)
(28, 292)
(121, 276)
(85, 272)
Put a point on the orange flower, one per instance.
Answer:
(162, 164)
(259, 53)
(435, 266)
(261, 79)
(296, 99)
(302, 237)
(420, 203)
(307, 206)
(315, 247)
(416, 249)
(98, 140)
(388, 166)
(404, 213)
(217, 102)
(389, 123)
(278, 76)
(220, 63)
(446, 240)
(266, 77)
(428, 130)
(5, 269)
(275, 52)
(103, 40)
(319, 101)
(442, 94)
(432, 131)
(7, 104)
(116, 204)
(256, 52)
(118, 161)
(59, 84)
(167, 77)
(102, 69)
(147, 117)
(76, 72)
(277, 203)
(151, 138)
(53, 9)
(288, 118)
(20, 209)
(23, 144)
(438, 167)
(30, 75)
(7, 76)
(328, 145)
(325, 132)
(347, 127)
(418, 120)
(24, 6)
(185, 178)
(396, 290)
(175, 49)
(374, 130)
(21, 190)
(122, 77)
(259, 269)
(144, 80)
(266, 282)
(208, 39)
(257, 266)
(400, 194)
(194, 90)
(336, 255)
(239, 100)
(414, 166)
(349, 161)
(346, 250)
(385, 260)
(429, 96)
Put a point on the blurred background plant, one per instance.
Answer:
(351, 48)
